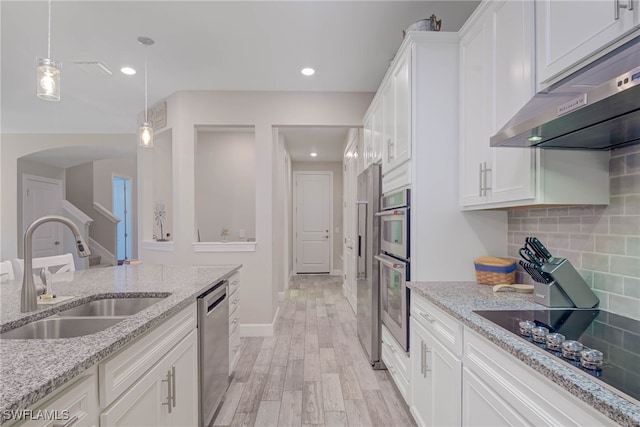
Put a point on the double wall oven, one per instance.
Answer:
(394, 263)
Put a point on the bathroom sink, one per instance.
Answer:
(111, 307)
(61, 327)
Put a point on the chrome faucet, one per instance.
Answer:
(28, 296)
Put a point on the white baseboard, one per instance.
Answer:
(280, 296)
(98, 249)
(259, 329)
(336, 273)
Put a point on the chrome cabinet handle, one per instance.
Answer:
(427, 368)
(71, 421)
(486, 181)
(617, 6)
(422, 358)
(173, 385)
(169, 388)
(480, 183)
(428, 317)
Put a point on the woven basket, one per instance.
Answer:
(495, 270)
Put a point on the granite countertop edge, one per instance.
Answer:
(114, 338)
(591, 392)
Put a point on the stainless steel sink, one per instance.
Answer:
(61, 327)
(111, 307)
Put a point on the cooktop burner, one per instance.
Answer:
(602, 344)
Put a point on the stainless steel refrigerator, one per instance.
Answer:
(367, 273)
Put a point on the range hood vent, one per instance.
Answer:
(596, 108)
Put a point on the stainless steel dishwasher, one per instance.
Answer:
(213, 349)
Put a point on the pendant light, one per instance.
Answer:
(145, 134)
(48, 83)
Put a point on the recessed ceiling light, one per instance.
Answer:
(313, 154)
(535, 138)
(308, 71)
(128, 71)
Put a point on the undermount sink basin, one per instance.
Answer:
(111, 307)
(60, 327)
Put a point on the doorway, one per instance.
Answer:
(42, 196)
(122, 209)
(313, 221)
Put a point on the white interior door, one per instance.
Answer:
(313, 222)
(43, 196)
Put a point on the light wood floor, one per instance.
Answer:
(313, 371)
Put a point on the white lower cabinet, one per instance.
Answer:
(506, 392)
(397, 362)
(167, 395)
(234, 321)
(436, 382)
(76, 405)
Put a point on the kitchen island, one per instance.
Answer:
(32, 369)
(460, 299)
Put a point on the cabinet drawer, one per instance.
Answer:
(401, 361)
(532, 397)
(234, 349)
(234, 322)
(77, 405)
(395, 368)
(122, 370)
(234, 283)
(234, 303)
(444, 327)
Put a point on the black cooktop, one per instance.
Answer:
(616, 337)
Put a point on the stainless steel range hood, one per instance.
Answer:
(596, 108)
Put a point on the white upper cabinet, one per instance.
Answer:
(569, 34)
(497, 79)
(372, 136)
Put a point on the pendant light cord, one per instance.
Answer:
(146, 110)
(49, 34)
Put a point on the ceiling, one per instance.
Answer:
(200, 45)
(327, 142)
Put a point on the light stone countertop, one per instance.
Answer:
(459, 299)
(31, 369)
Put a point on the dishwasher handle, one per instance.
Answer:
(213, 298)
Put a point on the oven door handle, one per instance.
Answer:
(394, 265)
(401, 211)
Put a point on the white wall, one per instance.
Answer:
(13, 147)
(264, 110)
(225, 182)
(281, 219)
(103, 173)
(30, 167)
(336, 168)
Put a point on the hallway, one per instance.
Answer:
(313, 371)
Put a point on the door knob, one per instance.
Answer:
(56, 243)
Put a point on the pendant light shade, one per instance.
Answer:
(48, 78)
(145, 134)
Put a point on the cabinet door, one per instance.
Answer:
(474, 118)
(569, 32)
(402, 106)
(483, 407)
(511, 176)
(367, 136)
(183, 361)
(377, 132)
(388, 125)
(349, 223)
(436, 380)
(144, 404)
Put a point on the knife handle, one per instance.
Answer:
(542, 248)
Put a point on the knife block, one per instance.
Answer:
(550, 295)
